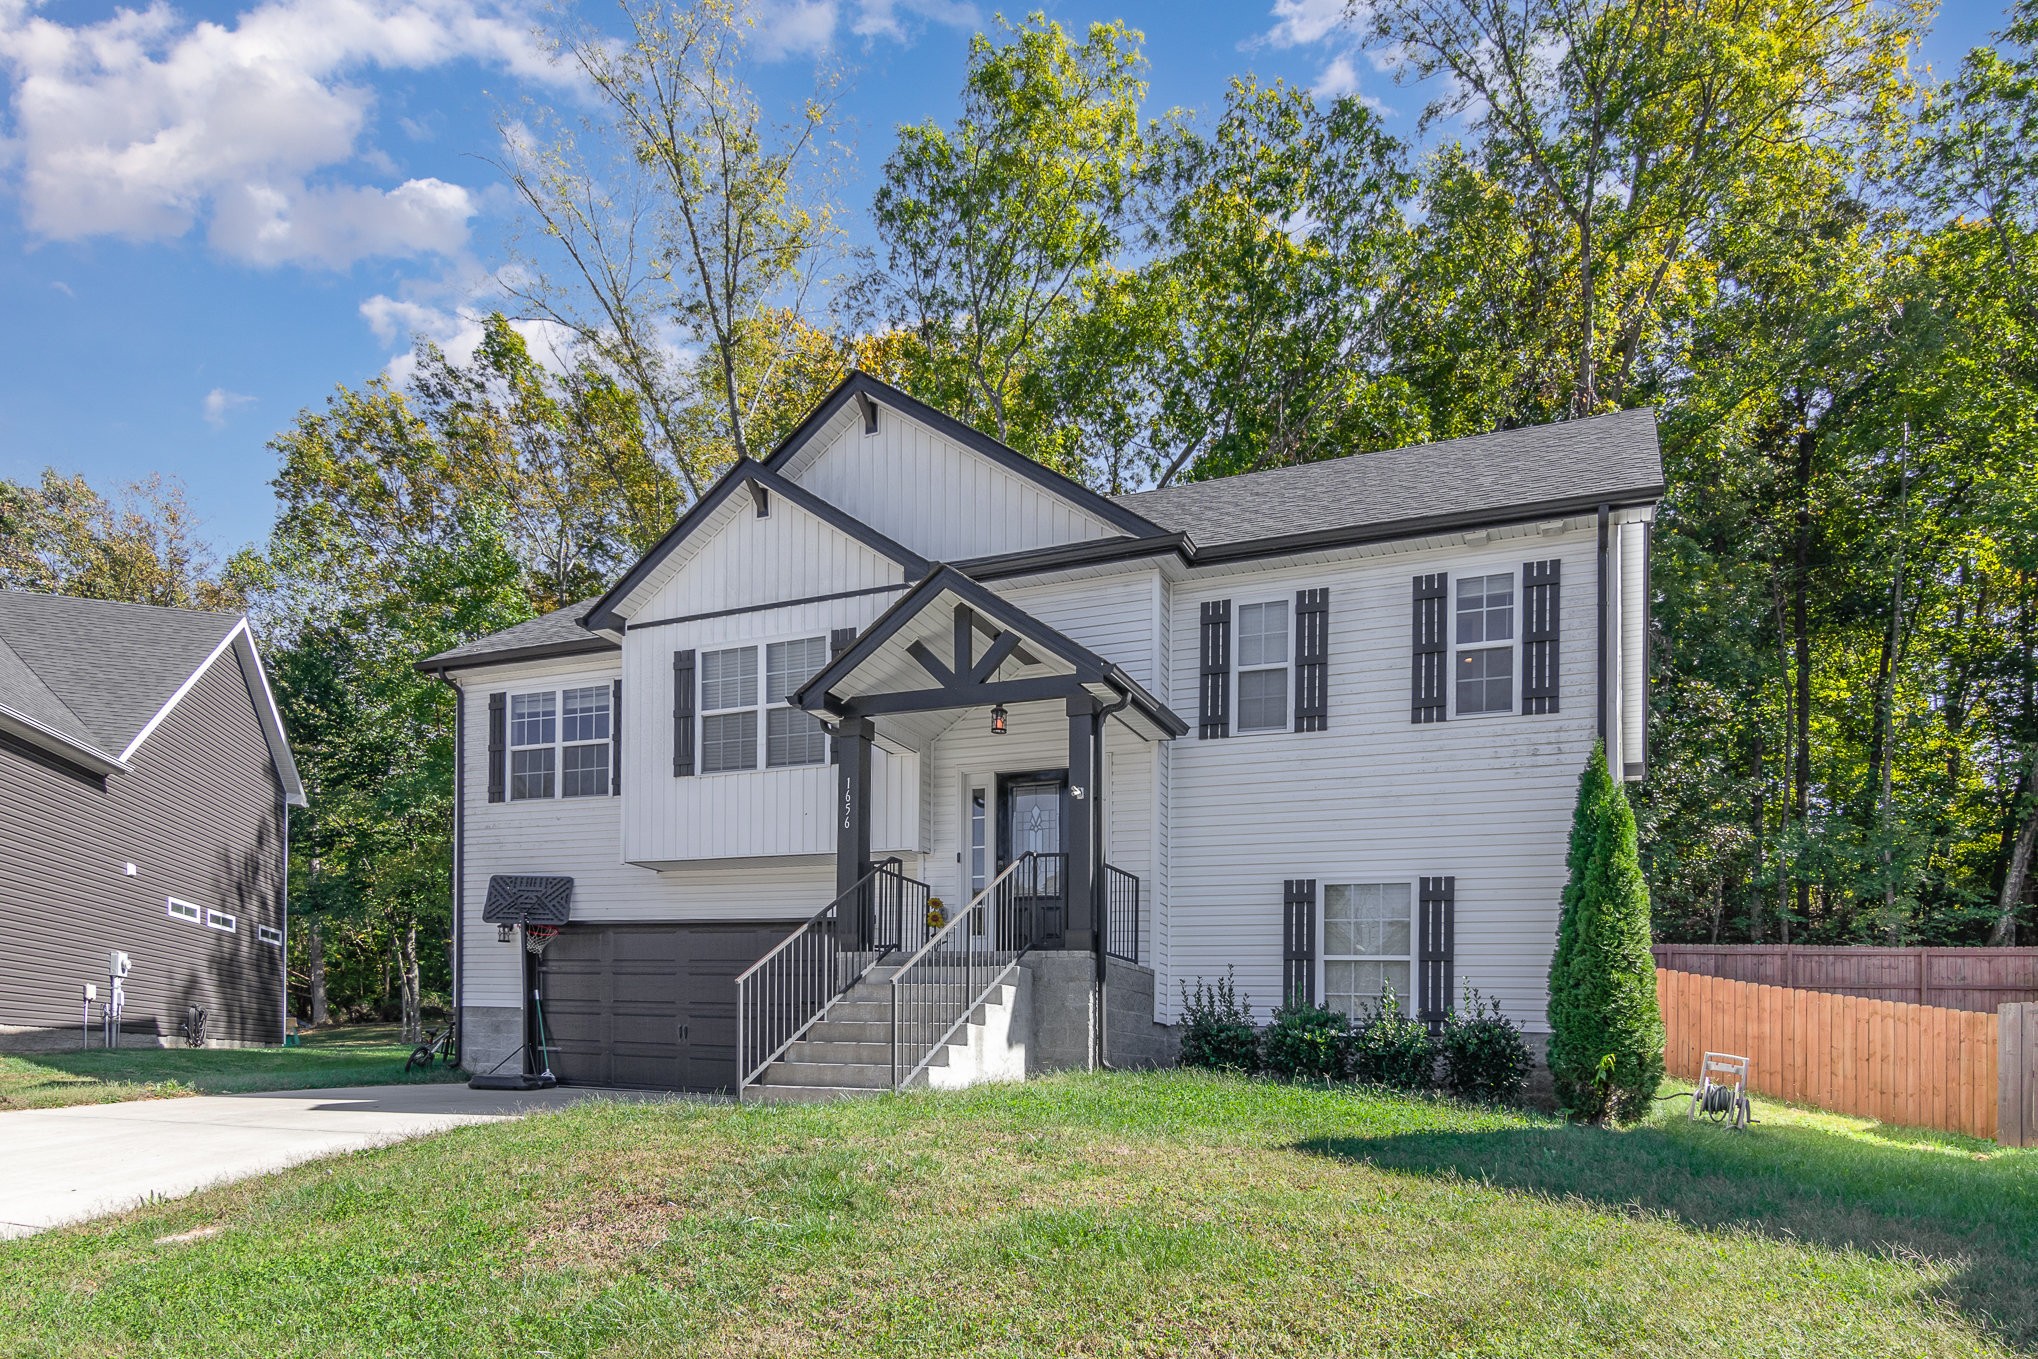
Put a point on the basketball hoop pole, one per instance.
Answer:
(536, 937)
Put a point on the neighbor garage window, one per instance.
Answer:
(534, 732)
(1368, 944)
(584, 736)
(791, 736)
(729, 710)
(1263, 666)
(1485, 663)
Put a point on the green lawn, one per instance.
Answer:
(355, 1054)
(1095, 1215)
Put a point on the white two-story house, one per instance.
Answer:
(903, 758)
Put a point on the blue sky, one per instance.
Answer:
(213, 213)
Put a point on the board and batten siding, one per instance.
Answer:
(1375, 797)
(744, 814)
(738, 560)
(201, 818)
(942, 500)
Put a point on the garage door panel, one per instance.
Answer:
(648, 1005)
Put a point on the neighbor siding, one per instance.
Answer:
(201, 818)
(1376, 797)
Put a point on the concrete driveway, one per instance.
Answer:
(65, 1165)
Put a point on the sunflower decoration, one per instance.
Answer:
(937, 913)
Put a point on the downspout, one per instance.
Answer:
(459, 837)
(1099, 886)
(283, 959)
(1606, 746)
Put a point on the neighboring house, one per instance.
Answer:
(143, 781)
(1322, 725)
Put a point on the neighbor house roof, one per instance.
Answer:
(1567, 466)
(91, 678)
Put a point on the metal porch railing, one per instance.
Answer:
(787, 991)
(1121, 914)
(935, 991)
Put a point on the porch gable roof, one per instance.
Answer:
(897, 642)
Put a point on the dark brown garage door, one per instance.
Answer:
(647, 1005)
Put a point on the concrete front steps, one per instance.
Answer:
(850, 1051)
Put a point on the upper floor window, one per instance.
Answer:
(729, 709)
(1485, 644)
(1263, 666)
(792, 737)
(584, 739)
(559, 743)
(534, 736)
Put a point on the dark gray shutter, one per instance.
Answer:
(1435, 929)
(1214, 707)
(682, 713)
(839, 641)
(616, 739)
(1298, 940)
(1312, 659)
(498, 746)
(1431, 670)
(1540, 609)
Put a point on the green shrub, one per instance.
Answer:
(1217, 1027)
(1306, 1042)
(1606, 1034)
(1485, 1058)
(1391, 1047)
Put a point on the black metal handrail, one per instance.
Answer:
(787, 991)
(1121, 914)
(939, 987)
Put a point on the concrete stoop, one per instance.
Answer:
(849, 1052)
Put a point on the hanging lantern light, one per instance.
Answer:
(998, 720)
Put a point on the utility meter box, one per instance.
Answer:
(117, 964)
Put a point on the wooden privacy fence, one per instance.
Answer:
(1979, 979)
(1921, 1065)
(2017, 1108)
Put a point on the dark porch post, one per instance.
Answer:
(852, 823)
(1079, 826)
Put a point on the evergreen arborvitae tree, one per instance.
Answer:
(1606, 1034)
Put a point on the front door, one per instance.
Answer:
(1030, 811)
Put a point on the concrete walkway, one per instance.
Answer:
(65, 1165)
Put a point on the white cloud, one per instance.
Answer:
(1341, 78)
(808, 27)
(1298, 23)
(450, 313)
(219, 402)
(149, 124)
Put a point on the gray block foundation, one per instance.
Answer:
(1065, 1015)
(490, 1036)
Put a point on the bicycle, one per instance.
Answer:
(439, 1044)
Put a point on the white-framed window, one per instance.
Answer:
(534, 752)
(1368, 944)
(183, 910)
(792, 737)
(584, 729)
(729, 709)
(219, 920)
(1482, 676)
(1262, 651)
(269, 934)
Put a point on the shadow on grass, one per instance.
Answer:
(1974, 1215)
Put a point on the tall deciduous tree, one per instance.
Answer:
(140, 544)
(682, 216)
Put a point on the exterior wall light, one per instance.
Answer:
(998, 720)
(505, 933)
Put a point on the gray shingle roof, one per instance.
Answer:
(558, 629)
(94, 671)
(1572, 461)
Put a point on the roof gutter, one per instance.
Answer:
(44, 738)
(590, 646)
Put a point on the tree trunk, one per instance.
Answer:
(413, 1021)
(2014, 878)
(315, 958)
(1801, 629)
(1761, 845)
